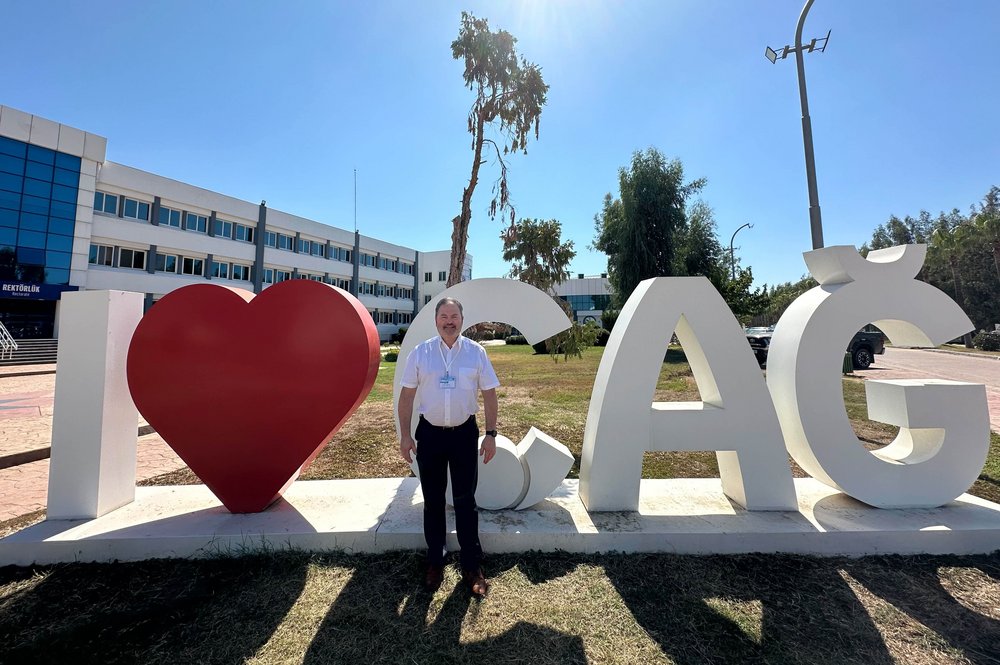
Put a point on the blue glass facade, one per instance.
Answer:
(38, 196)
(588, 303)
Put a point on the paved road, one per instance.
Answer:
(917, 364)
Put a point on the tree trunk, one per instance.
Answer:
(996, 257)
(460, 232)
(960, 296)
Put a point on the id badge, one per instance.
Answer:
(447, 382)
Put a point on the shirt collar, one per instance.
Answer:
(444, 347)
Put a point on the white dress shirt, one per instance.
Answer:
(466, 363)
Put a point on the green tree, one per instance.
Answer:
(537, 254)
(642, 230)
(510, 94)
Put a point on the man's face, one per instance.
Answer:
(449, 322)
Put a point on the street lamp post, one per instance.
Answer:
(732, 255)
(815, 217)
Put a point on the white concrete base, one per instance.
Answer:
(689, 516)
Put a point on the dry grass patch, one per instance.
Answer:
(543, 608)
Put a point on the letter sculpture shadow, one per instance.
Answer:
(529, 471)
(246, 389)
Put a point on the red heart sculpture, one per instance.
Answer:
(246, 389)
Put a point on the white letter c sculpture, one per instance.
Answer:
(535, 467)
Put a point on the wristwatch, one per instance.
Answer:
(491, 432)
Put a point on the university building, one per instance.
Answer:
(70, 219)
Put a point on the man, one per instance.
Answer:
(445, 372)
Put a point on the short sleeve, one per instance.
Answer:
(410, 377)
(487, 377)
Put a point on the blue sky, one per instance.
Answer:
(283, 101)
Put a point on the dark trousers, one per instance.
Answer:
(439, 448)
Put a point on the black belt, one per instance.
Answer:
(446, 427)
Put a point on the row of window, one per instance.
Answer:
(381, 317)
(442, 276)
(140, 210)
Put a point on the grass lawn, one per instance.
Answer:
(545, 608)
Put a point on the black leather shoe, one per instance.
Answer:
(476, 581)
(434, 577)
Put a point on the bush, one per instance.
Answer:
(516, 339)
(987, 340)
(608, 319)
(540, 347)
(602, 337)
(397, 337)
(392, 356)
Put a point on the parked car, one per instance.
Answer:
(865, 345)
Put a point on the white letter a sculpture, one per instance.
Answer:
(736, 417)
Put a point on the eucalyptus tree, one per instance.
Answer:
(510, 94)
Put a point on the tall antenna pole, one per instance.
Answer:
(355, 200)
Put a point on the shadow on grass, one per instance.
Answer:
(216, 611)
(383, 615)
(747, 609)
(913, 585)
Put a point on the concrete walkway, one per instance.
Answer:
(26, 395)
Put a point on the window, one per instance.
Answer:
(442, 276)
(428, 277)
(316, 278)
(242, 232)
(404, 293)
(269, 275)
(368, 260)
(196, 223)
(170, 217)
(385, 317)
(241, 272)
(132, 258)
(285, 242)
(367, 288)
(282, 275)
(220, 270)
(166, 263)
(136, 209)
(101, 255)
(191, 266)
(317, 248)
(406, 268)
(223, 229)
(303, 246)
(405, 317)
(106, 203)
(427, 299)
(341, 254)
(386, 263)
(270, 239)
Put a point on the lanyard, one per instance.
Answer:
(452, 353)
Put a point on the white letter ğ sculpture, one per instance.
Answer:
(735, 418)
(803, 375)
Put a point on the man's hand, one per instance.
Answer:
(406, 447)
(489, 448)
